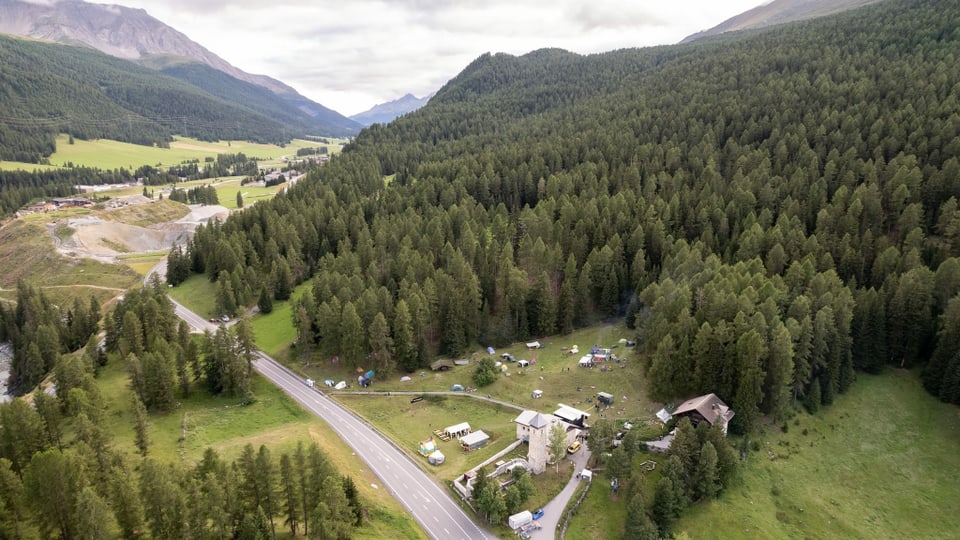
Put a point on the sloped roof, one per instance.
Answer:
(569, 413)
(710, 407)
(533, 419)
(474, 438)
(462, 426)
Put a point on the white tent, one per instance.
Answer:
(533, 345)
(523, 363)
(474, 440)
(436, 458)
(586, 361)
(405, 378)
(586, 474)
(663, 416)
(457, 430)
(340, 385)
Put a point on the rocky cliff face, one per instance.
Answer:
(386, 112)
(115, 30)
(780, 12)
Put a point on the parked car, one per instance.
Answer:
(574, 447)
(538, 513)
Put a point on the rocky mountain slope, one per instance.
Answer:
(134, 35)
(385, 112)
(779, 12)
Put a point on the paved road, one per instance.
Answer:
(429, 504)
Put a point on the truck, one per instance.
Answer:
(519, 519)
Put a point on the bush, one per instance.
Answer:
(485, 374)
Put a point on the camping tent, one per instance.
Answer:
(436, 458)
(537, 394)
(456, 388)
(523, 364)
(405, 378)
(340, 385)
(370, 374)
(491, 350)
(533, 345)
(329, 382)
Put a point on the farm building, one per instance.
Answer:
(475, 440)
(458, 430)
(708, 407)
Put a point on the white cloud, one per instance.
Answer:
(352, 55)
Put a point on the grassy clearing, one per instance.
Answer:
(197, 294)
(274, 332)
(26, 252)
(408, 423)
(882, 462)
(556, 373)
(145, 215)
(107, 154)
(28, 167)
(274, 420)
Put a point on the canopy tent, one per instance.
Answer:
(474, 440)
(586, 361)
(664, 416)
(457, 430)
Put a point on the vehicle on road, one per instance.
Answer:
(538, 513)
(214, 320)
(574, 447)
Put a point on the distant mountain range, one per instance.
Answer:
(386, 112)
(779, 12)
(134, 35)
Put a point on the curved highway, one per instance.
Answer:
(429, 504)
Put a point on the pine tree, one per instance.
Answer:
(141, 437)
(707, 478)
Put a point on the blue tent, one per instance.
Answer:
(457, 388)
(370, 374)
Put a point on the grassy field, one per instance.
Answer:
(27, 252)
(881, 462)
(144, 215)
(224, 425)
(108, 154)
(408, 423)
(29, 167)
(555, 372)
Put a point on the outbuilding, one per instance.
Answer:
(605, 398)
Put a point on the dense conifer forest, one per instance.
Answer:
(772, 212)
(47, 89)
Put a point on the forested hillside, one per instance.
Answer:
(772, 212)
(48, 89)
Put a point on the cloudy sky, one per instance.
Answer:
(350, 55)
